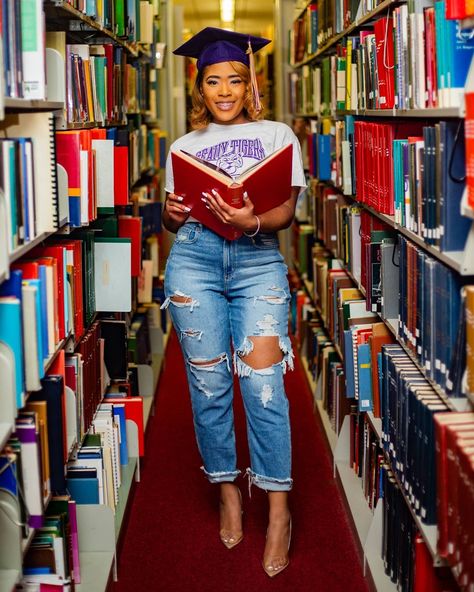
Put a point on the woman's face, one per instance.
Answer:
(223, 91)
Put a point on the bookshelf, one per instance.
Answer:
(38, 230)
(338, 241)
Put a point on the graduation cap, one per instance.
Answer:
(212, 46)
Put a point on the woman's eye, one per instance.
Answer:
(236, 81)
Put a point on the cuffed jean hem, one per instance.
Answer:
(268, 483)
(221, 477)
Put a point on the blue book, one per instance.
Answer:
(119, 411)
(455, 227)
(83, 490)
(8, 476)
(459, 49)
(41, 329)
(91, 8)
(11, 334)
(365, 377)
(12, 286)
(324, 157)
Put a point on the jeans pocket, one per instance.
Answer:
(188, 234)
(266, 241)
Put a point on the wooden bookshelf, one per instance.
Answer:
(62, 13)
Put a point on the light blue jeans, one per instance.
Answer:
(220, 293)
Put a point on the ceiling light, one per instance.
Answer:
(227, 11)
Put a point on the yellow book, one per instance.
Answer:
(348, 74)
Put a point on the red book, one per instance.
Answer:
(68, 154)
(133, 412)
(469, 146)
(121, 183)
(442, 422)
(30, 269)
(380, 336)
(456, 9)
(131, 227)
(268, 184)
(383, 30)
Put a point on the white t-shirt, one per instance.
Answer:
(237, 147)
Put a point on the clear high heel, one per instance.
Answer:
(228, 538)
(267, 564)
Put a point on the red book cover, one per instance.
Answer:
(383, 30)
(380, 336)
(131, 227)
(469, 146)
(268, 185)
(30, 269)
(121, 182)
(57, 253)
(442, 422)
(68, 151)
(456, 9)
(133, 412)
(430, 58)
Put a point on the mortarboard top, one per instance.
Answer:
(213, 45)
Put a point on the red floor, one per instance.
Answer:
(170, 542)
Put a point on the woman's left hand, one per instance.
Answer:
(241, 218)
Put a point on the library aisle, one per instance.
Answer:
(170, 542)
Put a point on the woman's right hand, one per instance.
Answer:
(177, 212)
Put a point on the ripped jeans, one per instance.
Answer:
(219, 294)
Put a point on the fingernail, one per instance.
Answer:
(246, 194)
(186, 209)
(204, 199)
(208, 207)
(204, 193)
(179, 197)
(214, 192)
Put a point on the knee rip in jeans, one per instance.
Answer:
(200, 365)
(270, 351)
(181, 300)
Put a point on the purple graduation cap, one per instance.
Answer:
(212, 46)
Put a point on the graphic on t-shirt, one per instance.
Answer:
(229, 155)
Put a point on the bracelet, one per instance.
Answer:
(258, 228)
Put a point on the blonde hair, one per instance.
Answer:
(200, 116)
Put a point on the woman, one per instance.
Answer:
(234, 294)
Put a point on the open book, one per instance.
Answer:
(268, 184)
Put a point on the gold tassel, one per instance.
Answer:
(253, 79)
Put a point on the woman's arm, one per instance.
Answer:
(175, 213)
(244, 218)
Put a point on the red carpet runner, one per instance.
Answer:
(171, 540)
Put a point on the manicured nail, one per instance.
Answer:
(179, 197)
(204, 194)
(208, 207)
(246, 195)
(186, 209)
(214, 192)
(204, 199)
